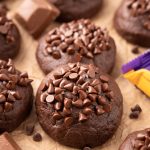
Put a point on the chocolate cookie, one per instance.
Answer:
(73, 10)
(132, 21)
(78, 105)
(9, 36)
(139, 140)
(16, 96)
(77, 41)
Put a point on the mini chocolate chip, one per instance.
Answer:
(99, 110)
(136, 108)
(82, 117)
(82, 94)
(73, 76)
(56, 54)
(95, 82)
(98, 88)
(75, 69)
(140, 136)
(56, 116)
(91, 71)
(107, 107)
(58, 90)
(57, 82)
(59, 97)
(23, 74)
(67, 102)
(110, 95)
(135, 50)
(51, 89)
(58, 106)
(69, 86)
(8, 106)
(37, 137)
(29, 129)
(50, 98)
(66, 111)
(104, 78)
(2, 98)
(87, 111)
(92, 97)
(78, 103)
(102, 100)
(91, 90)
(11, 98)
(87, 148)
(87, 102)
(68, 121)
(134, 115)
(105, 87)
(43, 97)
(4, 77)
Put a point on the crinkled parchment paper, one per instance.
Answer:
(26, 62)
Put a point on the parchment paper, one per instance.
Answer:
(26, 62)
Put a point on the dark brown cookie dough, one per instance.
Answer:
(76, 9)
(9, 36)
(79, 106)
(77, 41)
(16, 96)
(132, 21)
(139, 140)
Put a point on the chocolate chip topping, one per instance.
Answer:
(10, 78)
(81, 37)
(76, 87)
(6, 26)
(141, 8)
(142, 141)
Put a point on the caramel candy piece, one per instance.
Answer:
(7, 143)
(35, 15)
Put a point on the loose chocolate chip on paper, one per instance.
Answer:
(135, 50)
(29, 129)
(134, 115)
(37, 137)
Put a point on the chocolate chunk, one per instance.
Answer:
(38, 11)
(29, 129)
(37, 137)
(8, 106)
(7, 142)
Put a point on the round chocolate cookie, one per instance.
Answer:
(139, 140)
(76, 9)
(16, 96)
(79, 106)
(132, 21)
(77, 41)
(9, 36)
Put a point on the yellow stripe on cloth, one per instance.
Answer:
(140, 78)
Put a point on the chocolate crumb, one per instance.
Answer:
(134, 115)
(29, 129)
(87, 148)
(37, 137)
(135, 50)
(136, 108)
